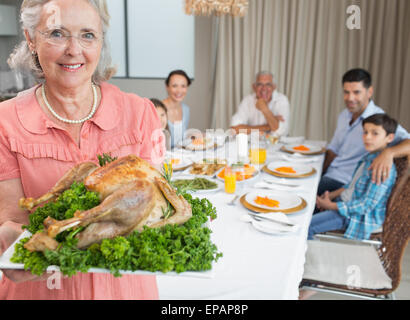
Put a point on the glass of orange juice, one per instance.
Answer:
(257, 152)
(230, 180)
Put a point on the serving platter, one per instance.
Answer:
(5, 263)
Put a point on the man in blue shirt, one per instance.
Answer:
(347, 148)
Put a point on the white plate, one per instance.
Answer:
(187, 171)
(5, 263)
(255, 175)
(281, 182)
(286, 200)
(187, 144)
(298, 158)
(220, 185)
(183, 162)
(271, 228)
(212, 160)
(298, 168)
(313, 148)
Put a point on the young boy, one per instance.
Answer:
(163, 117)
(359, 207)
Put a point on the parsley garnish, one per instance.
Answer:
(178, 248)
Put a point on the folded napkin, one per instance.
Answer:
(319, 143)
(180, 154)
(297, 157)
(276, 186)
(180, 150)
(289, 140)
(273, 227)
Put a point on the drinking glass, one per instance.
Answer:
(230, 180)
(257, 152)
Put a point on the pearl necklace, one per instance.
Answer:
(93, 109)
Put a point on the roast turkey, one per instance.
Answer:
(133, 194)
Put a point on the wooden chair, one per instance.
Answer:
(390, 246)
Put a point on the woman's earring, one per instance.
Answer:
(35, 58)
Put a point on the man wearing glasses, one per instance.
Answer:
(265, 110)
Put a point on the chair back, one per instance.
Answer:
(396, 226)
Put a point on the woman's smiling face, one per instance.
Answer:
(70, 63)
(177, 87)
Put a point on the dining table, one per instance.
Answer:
(255, 265)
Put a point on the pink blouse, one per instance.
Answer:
(36, 150)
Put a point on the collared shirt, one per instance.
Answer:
(347, 143)
(38, 152)
(249, 115)
(367, 207)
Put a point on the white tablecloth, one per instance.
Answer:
(254, 265)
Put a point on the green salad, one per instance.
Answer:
(178, 248)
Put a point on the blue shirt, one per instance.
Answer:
(177, 129)
(347, 143)
(367, 207)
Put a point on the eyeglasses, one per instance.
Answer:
(58, 37)
(266, 85)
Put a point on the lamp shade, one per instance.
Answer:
(235, 8)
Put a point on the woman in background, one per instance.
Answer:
(177, 84)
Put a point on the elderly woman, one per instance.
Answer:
(177, 84)
(72, 115)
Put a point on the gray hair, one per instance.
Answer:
(265, 73)
(23, 60)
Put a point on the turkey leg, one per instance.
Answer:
(120, 212)
(183, 211)
(76, 174)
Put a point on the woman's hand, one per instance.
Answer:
(7, 237)
(19, 276)
(11, 220)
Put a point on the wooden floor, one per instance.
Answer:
(402, 292)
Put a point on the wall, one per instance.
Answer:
(7, 43)
(199, 93)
